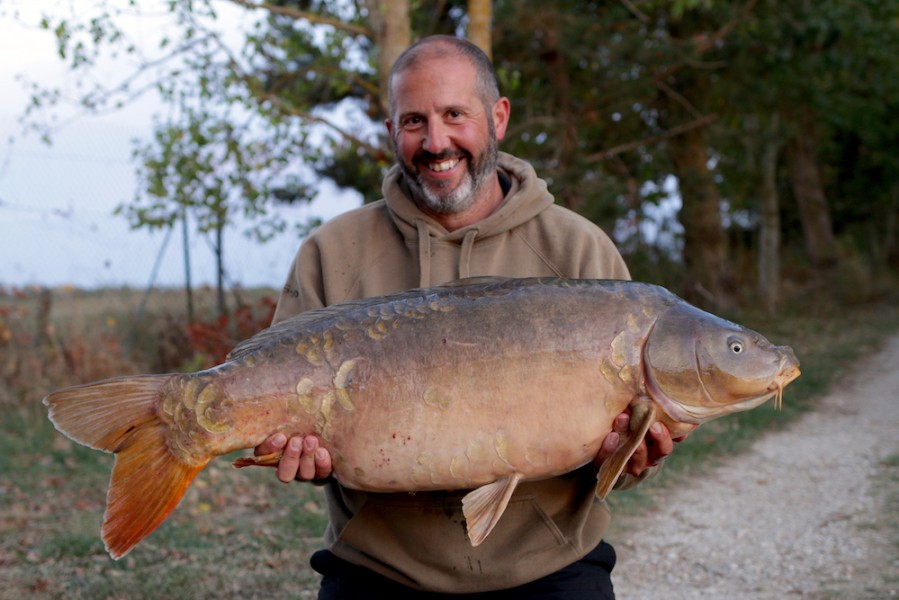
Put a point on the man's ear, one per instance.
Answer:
(501, 112)
(389, 124)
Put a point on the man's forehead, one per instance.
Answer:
(441, 81)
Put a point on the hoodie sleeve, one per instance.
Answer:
(304, 288)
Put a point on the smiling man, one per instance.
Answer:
(446, 141)
(454, 206)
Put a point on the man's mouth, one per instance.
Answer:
(443, 165)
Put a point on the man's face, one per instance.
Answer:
(443, 137)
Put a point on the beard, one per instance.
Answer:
(439, 198)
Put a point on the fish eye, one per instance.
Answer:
(736, 345)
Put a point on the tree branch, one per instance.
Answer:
(641, 16)
(679, 98)
(673, 132)
(305, 15)
(706, 41)
(374, 151)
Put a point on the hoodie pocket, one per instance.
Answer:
(423, 540)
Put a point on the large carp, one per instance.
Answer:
(476, 385)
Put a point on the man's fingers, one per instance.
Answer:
(608, 447)
(621, 422)
(271, 444)
(323, 465)
(661, 444)
(307, 458)
(290, 459)
(637, 463)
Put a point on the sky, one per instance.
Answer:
(57, 225)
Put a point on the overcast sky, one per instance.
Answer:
(56, 202)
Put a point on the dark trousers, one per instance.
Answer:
(588, 579)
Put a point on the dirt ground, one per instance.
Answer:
(808, 512)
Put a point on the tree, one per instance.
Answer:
(250, 127)
(613, 102)
(629, 107)
(826, 72)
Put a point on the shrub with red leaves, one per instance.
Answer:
(214, 339)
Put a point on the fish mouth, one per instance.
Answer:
(789, 371)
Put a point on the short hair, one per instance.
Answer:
(444, 46)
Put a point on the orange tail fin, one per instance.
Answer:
(120, 416)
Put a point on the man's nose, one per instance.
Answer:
(436, 137)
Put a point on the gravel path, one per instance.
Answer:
(800, 515)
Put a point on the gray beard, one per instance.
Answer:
(443, 202)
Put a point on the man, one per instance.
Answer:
(454, 207)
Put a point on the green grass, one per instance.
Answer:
(236, 534)
(889, 471)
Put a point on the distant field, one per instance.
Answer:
(242, 534)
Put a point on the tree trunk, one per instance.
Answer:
(188, 284)
(220, 265)
(705, 244)
(480, 17)
(389, 20)
(769, 227)
(814, 213)
(565, 141)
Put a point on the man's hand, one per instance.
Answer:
(301, 458)
(657, 445)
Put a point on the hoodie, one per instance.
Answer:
(390, 246)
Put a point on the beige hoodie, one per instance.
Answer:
(389, 246)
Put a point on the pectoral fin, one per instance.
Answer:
(484, 506)
(643, 416)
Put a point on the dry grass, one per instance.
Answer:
(235, 534)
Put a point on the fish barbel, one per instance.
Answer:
(474, 385)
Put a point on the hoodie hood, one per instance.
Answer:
(526, 198)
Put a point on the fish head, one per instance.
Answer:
(699, 367)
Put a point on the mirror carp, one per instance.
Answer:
(475, 385)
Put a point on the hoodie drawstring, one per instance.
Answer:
(424, 254)
(465, 254)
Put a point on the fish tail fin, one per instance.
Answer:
(147, 483)
(121, 416)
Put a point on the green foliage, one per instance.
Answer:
(599, 92)
(828, 70)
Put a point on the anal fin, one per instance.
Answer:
(643, 416)
(484, 506)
